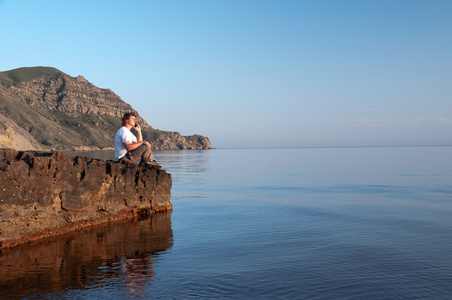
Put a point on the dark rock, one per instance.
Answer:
(48, 193)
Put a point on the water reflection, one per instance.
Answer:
(124, 251)
(188, 170)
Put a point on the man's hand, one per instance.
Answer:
(133, 146)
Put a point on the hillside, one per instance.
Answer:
(42, 108)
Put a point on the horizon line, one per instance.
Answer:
(313, 147)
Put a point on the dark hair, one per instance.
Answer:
(127, 117)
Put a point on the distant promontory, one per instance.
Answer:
(42, 108)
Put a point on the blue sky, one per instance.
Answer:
(247, 73)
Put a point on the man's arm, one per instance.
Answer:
(132, 146)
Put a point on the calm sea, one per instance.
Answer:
(305, 223)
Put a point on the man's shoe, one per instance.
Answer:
(153, 165)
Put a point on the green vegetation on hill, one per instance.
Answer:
(26, 74)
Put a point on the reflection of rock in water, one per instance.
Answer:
(123, 250)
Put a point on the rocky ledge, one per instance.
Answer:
(44, 194)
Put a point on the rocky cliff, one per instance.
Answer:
(44, 108)
(47, 193)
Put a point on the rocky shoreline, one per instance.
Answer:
(43, 108)
(44, 194)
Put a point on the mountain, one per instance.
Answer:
(42, 108)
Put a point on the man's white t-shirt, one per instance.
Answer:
(122, 136)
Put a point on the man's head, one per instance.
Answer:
(126, 117)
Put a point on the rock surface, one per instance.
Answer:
(48, 193)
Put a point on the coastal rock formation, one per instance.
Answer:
(48, 193)
(169, 140)
(57, 111)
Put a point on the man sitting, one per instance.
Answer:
(129, 148)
